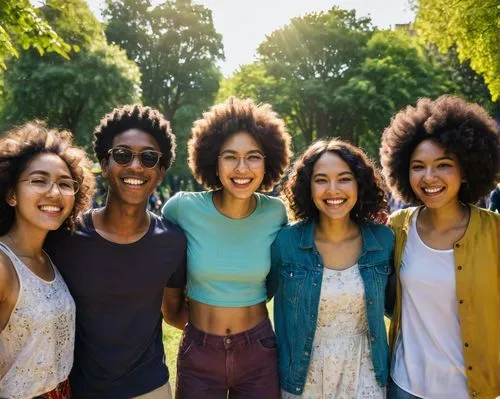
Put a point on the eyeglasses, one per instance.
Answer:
(253, 161)
(123, 156)
(42, 185)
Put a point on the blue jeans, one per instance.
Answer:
(395, 392)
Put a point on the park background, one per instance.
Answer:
(329, 68)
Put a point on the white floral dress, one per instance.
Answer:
(341, 365)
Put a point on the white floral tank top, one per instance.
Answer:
(36, 345)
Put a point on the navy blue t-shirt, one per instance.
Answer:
(118, 290)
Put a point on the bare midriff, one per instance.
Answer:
(221, 320)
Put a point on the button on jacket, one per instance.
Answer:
(477, 274)
(296, 277)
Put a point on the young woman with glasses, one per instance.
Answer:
(228, 346)
(45, 182)
(443, 156)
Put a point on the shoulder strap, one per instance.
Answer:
(11, 255)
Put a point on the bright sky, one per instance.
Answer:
(244, 24)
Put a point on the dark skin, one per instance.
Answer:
(124, 219)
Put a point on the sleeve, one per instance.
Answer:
(170, 210)
(178, 278)
(272, 280)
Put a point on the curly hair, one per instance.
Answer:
(233, 116)
(461, 128)
(23, 143)
(135, 116)
(371, 204)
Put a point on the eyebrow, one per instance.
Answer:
(346, 173)
(249, 152)
(130, 148)
(44, 173)
(445, 158)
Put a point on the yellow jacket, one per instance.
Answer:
(477, 271)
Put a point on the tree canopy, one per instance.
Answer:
(22, 27)
(472, 26)
(311, 58)
(72, 94)
(176, 47)
(354, 93)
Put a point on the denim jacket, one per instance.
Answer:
(296, 277)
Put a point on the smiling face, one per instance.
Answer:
(435, 176)
(334, 189)
(132, 183)
(241, 165)
(43, 210)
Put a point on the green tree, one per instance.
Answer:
(396, 71)
(21, 26)
(253, 81)
(472, 26)
(311, 58)
(72, 94)
(176, 47)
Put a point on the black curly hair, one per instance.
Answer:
(135, 116)
(23, 143)
(461, 128)
(371, 204)
(233, 116)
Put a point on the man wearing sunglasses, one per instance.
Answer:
(124, 266)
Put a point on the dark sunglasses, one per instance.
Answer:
(123, 156)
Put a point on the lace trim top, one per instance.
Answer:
(36, 345)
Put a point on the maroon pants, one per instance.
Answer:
(243, 365)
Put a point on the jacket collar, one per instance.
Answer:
(370, 242)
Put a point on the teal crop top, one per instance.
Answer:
(228, 260)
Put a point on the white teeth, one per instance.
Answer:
(432, 190)
(335, 201)
(133, 182)
(242, 181)
(50, 208)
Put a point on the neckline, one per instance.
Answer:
(419, 239)
(216, 211)
(342, 270)
(48, 282)
(90, 224)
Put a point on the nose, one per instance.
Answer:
(53, 190)
(332, 187)
(241, 163)
(429, 174)
(135, 162)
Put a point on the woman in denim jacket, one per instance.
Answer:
(330, 271)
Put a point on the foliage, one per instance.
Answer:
(393, 70)
(75, 22)
(176, 47)
(472, 26)
(311, 58)
(72, 94)
(395, 73)
(21, 26)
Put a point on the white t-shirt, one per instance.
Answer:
(428, 358)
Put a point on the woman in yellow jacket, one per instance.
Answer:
(443, 155)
